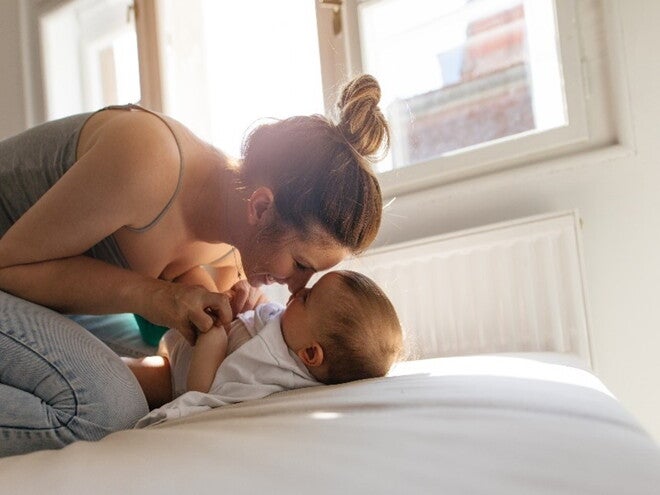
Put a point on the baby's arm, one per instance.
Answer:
(207, 355)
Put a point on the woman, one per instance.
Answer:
(105, 213)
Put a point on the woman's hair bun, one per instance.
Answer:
(361, 122)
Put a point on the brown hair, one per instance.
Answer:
(361, 335)
(320, 171)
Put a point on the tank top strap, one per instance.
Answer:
(134, 106)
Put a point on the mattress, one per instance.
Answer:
(496, 424)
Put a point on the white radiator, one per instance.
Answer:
(507, 287)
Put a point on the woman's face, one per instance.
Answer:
(291, 260)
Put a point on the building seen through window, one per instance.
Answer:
(468, 73)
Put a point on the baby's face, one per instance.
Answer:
(300, 319)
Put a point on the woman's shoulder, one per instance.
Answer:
(123, 131)
(137, 146)
(133, 155)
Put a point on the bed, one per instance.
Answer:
(510, 424)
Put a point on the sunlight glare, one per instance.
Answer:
(325, 415)
(501, 366)
(263, 62)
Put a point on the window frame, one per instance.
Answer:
(593, 123)
(32, 55)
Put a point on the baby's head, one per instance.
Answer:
(344, 328)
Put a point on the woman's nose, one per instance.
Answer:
(298, 281)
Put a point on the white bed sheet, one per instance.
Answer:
(501, 424)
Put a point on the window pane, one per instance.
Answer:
(229, 64)
(460, 73)
(89, 56)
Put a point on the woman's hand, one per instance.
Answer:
(190, 309)
(244, 297)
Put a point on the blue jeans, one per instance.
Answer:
(58, 383)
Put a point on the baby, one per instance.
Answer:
(344, 328)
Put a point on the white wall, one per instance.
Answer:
(618, 199)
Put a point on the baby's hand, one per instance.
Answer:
(244, 297)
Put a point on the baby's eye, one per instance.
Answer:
(300, 266)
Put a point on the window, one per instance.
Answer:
(228, 65)
(89, 56)
(461, 73)
(471, 87)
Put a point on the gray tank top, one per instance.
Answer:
(31, 162)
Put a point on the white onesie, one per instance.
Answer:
(258, 364)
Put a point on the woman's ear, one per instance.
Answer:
(258, 203)
(312, 355)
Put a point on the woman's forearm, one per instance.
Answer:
(79, 285)
(84, 285)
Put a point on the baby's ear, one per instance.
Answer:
(312, 355)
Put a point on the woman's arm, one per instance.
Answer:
(207, 355)
(84, 285)
(124, 179)
(78, 284)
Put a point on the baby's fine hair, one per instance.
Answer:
(321, 171)
(362, 336)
